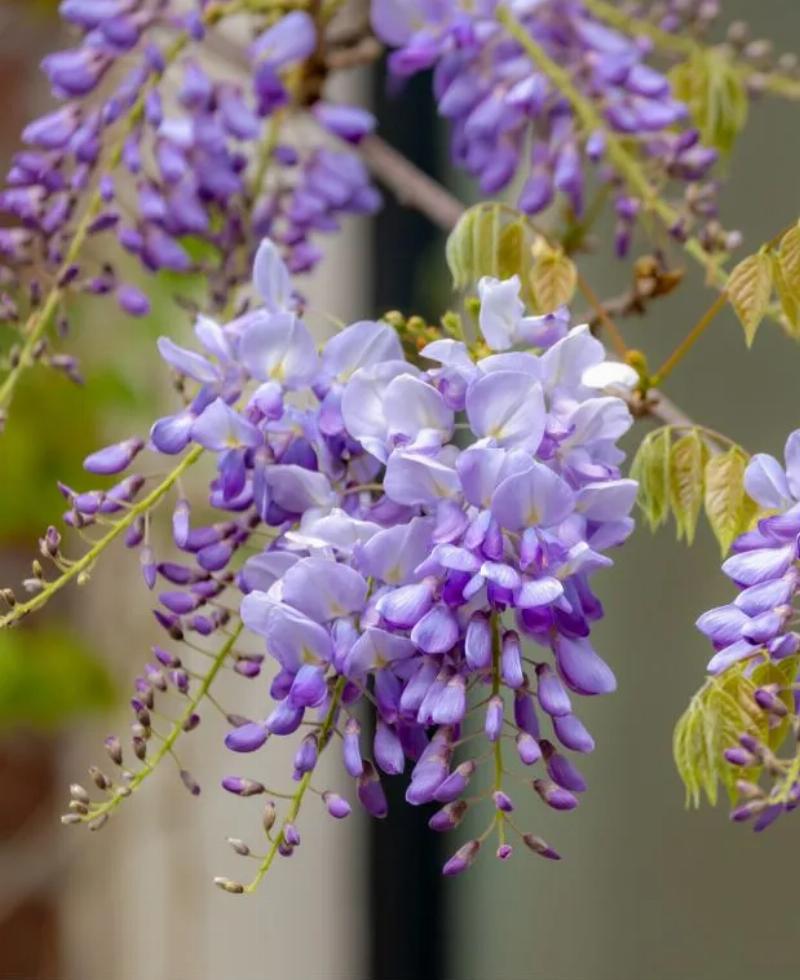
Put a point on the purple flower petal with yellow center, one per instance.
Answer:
(278, 347)
(324, 589)
(374, 649)
(535, 497)
(414, 479)
(220, 427)
(508, 408)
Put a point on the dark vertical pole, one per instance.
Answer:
(407, 923)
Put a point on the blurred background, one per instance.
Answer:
(646, 888)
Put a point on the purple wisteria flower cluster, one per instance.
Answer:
(509, 118)
(158, 146)
(395, 533)
(760, 626)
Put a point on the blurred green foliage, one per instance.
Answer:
(47, 677)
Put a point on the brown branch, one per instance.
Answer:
(415, 189)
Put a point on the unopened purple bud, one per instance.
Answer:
(370, 792)
(528, 749)
(337, 806)
(247, 668)
(351, 750)
(502, 801)
(511, 660)
(115, 458)
(525, 712)
(291, 835)
(493, 726)
(347, 122)
(540, 847)
(561, 770)
(478, 642)
(53, 131)
(504, 852)
(740, 757)
(147, 564)
(456, 782)
(449, 817)
(178, 602)
(247, 738)
(166, 658)
(572, 733)
(190, 782)
(769, 701)
(133, 300)
(552, 694)
(306, 756)
(462, 859)
(554, 796)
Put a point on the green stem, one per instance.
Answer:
(297, 799)
(690, 340)
(177, 729)
(85, 563)
(624, 162)
(686, 47)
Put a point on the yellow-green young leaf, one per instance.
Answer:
(721, 711)
(715, 94)
(651, 467)
(458, 250)
(553, 277)
(687, 469)
(789, 299)
(749, 289)
(511, 257)
(789, 258)
(486, 241)
(728, 508)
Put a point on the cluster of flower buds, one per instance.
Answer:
(157, 146)
(760, 627)
(422, 523)
(509, 117)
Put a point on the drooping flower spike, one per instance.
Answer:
(509, 116)
(410, 528)
(759, 629)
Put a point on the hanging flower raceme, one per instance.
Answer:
(421, 526)
(759, 628)
(498, 100)
(160, 148)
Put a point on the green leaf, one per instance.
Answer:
(651, 467)
(749, 290)
(511, 250)
(687, 482)
(458, 250)
(553, 277)
(728, 508)
(789, 257)
(48, 677)
(786, 276)
(716, 96)
(721, 711)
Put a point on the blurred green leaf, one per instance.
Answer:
(716, 96)
(48, 677)
(651, 467)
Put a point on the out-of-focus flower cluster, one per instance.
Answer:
(509, 118)
(407, 530)
(158, 146)
(760, 626)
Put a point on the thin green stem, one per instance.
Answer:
(168, 742)
(84, 564)
(686, 47)
(602, 314)
(297, 799)
(690, 340)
